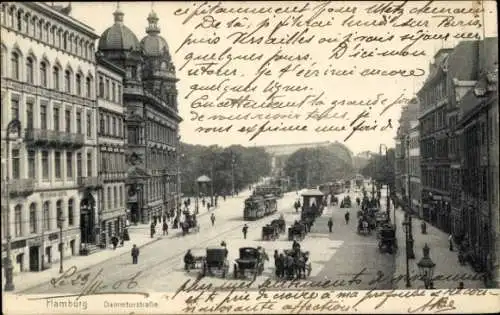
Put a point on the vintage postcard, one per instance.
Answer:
(250, 157)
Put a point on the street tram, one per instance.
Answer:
(263, 190)
(259, 206)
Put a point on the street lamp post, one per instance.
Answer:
(410, 224)
(60, 221)
(13, 126)
(406, 223)
(178, 190)
(232, 173)
(426, 268)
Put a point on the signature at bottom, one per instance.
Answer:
(436, 304)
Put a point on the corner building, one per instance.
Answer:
(150, 98)
(48, 84)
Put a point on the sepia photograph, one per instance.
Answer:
(250, 157)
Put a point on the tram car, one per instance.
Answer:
(263, 190)
(258, 206)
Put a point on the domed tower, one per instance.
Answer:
(158, 72)
(119, 45)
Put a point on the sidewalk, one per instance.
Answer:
(139, 235)
(447, 273)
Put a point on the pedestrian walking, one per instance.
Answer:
(346, 216)
(245, 230)
(153, 229)
(114, 241)
(450, 241)
(135, 254)
(203, 202)
(212, 218)
(330, 224)
(208, 206)
(165, 228)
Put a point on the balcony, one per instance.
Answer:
(54, 138)
(92, 182)
(114, 176)
(21, 187)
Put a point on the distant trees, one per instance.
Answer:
(314, 166)
(381, 168)
(250, 163)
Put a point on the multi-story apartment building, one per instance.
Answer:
(477, 128)
(152, 119)
(48, 84)
(112, 140)
(406, 158)
(450, 77)
(414, 172)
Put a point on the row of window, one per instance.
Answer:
(48, 223)
(114, 197)
(47, 162)
(111, 125)
(157, 188)
(110, 90)
(434, 121)
(475, 182)
(434, 148)
(438, 178)
(113, 162)
(51, 116)
(46, 76)
(432, 95)
(160, 159)
(161, 133)
(40, 28)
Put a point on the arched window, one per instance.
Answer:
(46, 215)
(33, 220)
(88, 86)
(43, 74)
(29, 70)
(70, 212)
(18, 221)
(59, 212)
(65, 41)
(78, 84)
(20, 21)
(67, 81)
(55, 78)
(14, 63)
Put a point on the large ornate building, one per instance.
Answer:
(49, 172)
(150, 98)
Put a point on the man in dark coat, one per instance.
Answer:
(153, 229)
(330, 224)
(135, 254)
(165, 228)
(245, 230)
(114, 241)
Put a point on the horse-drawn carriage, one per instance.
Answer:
(387, 239)
(312, 205)
(190, 224)
(193, 262)
(297, 232)
(297, 264)
(270, 232)
(280, 224)
(250, 262)
(216, 262)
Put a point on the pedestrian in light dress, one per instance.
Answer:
(450, 242)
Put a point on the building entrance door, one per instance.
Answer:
(34, 258)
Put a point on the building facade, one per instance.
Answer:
(478, 130)
(112, 140)
(50, 179)
(407, 155)
(150, 98)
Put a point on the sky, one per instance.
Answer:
(99, 16)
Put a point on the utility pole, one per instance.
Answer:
(232, 172)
